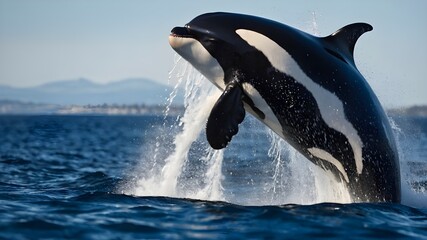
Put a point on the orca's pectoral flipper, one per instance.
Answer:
(226, 115)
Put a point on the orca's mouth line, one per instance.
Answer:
(181, 32)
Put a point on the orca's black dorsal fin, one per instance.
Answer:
(343, 40)
(226, 115)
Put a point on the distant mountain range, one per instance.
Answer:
(131, 96)
(84, 92)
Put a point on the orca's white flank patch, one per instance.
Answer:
(322, 154)
(194, 52)
(330, 106)
(270, 119)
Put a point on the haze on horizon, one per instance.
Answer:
(105, 40)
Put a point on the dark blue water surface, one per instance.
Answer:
(60, 175)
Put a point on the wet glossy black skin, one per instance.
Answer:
(330, 65)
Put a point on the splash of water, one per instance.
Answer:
(163, 177)
(297, 180)
(213, 189)
(314, 26)
(408, 156)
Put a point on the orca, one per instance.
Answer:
(307, 89)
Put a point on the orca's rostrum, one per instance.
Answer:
(307, 89)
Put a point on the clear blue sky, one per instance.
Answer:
(103, 40)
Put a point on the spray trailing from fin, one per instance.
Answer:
(213, 189)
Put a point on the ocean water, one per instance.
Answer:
(155, 177)
(83, 177)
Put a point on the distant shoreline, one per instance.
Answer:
(10, 107)
(412, 111)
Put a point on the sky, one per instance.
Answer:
(43, 41)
